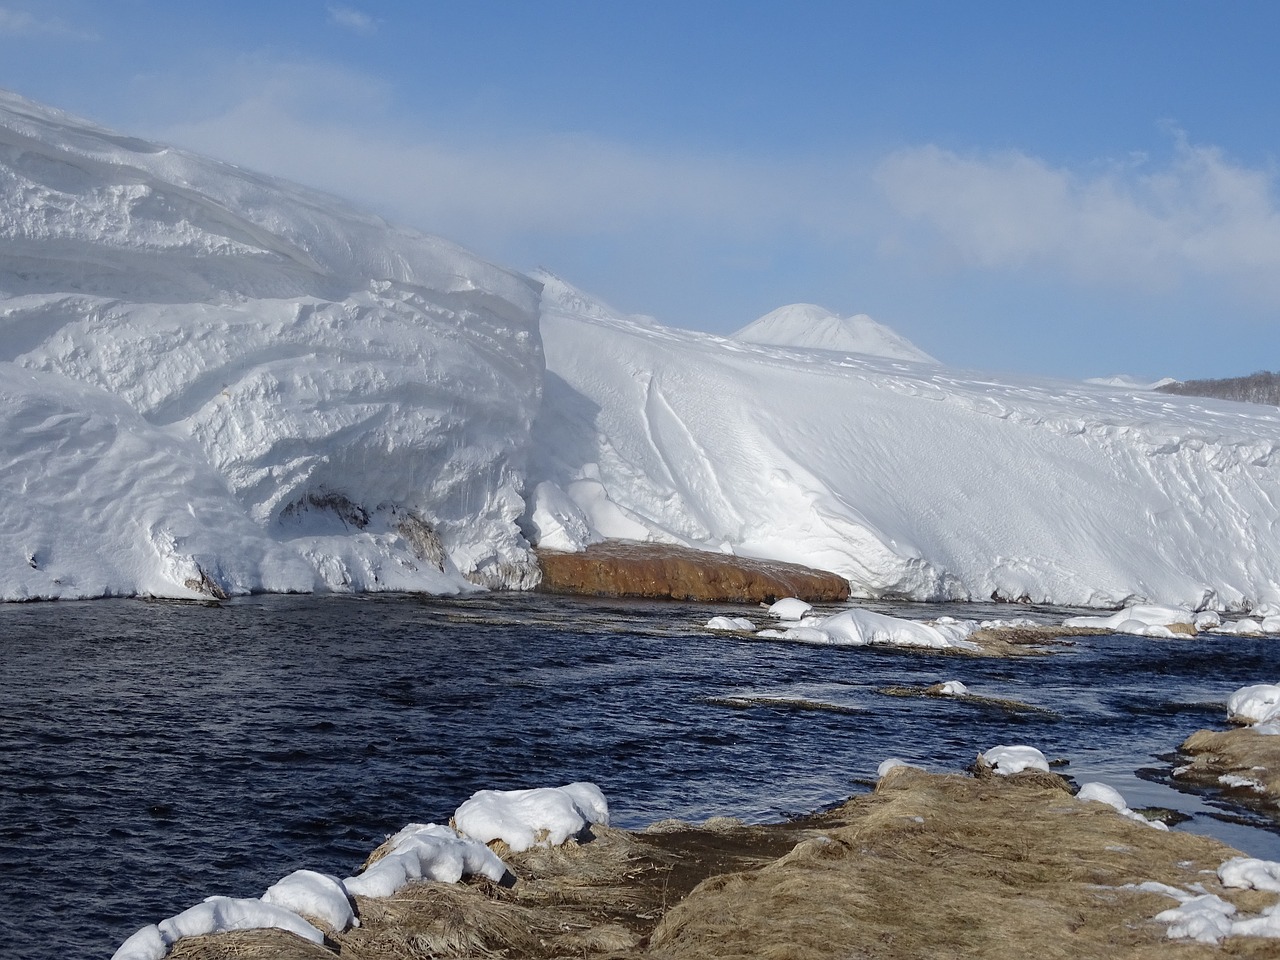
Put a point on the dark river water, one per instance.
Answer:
(155, 754)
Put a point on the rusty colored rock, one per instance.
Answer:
(624, 568)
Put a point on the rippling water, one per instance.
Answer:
(154, 754)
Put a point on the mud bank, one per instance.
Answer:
(618, 568)
(927, 865)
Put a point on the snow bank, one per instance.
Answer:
(218, 382)
(1258, 703)
(1072, 493)
(426, 852)
(1008, 760)
(524, 818)
(953, 688)
(1101, 793)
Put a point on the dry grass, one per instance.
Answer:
(929, 865)
(1241, 752)
(1027, 641)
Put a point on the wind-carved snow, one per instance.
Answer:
(217, 378)
(810, 326)
(909, 479)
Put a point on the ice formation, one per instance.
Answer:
(215, 382)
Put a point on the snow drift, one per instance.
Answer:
(218, 382)
(910, 479)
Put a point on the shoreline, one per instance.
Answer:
(928, 864)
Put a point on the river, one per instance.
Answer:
(153, 754)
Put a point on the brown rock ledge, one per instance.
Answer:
(929, 865)
(625, 568)
(1242, 753)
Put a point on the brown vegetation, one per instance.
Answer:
(928, 866)
(623, 568)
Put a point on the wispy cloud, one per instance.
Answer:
(22, 23)
(1138, 223)
(1151, 227)
(349, 18)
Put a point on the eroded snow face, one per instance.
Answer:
(361, 395)
(908, 479)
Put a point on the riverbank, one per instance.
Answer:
(927, 865)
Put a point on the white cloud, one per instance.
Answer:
(22, 23)
(331, 128)
(352, 19)
(1137, 224)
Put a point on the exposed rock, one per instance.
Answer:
(624, 568)
(1242, 763)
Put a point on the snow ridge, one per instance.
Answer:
(302, 396)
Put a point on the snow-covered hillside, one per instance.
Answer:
(215, 381)
(817, 328)
(910, 479)
(211, 381)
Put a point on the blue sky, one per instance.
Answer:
(1069, 189)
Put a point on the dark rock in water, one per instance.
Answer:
(624, 568)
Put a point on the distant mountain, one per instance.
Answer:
(812, 327)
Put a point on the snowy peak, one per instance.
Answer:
(812, 327)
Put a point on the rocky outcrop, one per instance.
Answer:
(622, 568)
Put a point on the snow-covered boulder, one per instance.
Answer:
(1008, 760)
(202, 366)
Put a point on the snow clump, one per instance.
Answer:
(318, 895)
(737, 624)
(1249, 873)
(790, 608)
(1258, 703)
(1101, 793)
(214, 915)
(1014, 759)
(893, 763)
(1207, 918)
(426, 852)
(543, 816)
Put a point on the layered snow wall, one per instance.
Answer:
(217, 382)
(908, 478)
